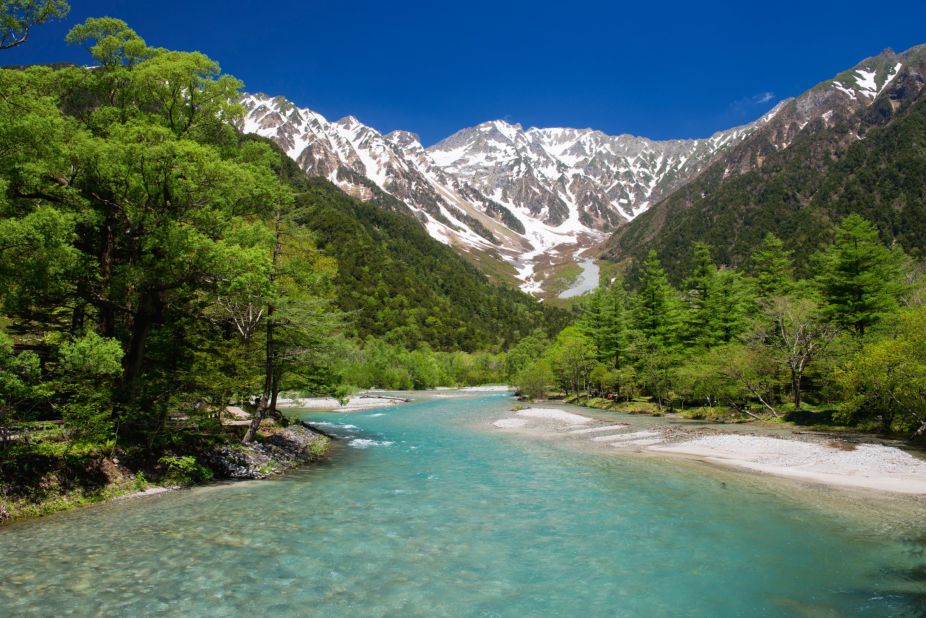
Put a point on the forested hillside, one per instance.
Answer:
(845, 345)
(398, 283)
(801, 190)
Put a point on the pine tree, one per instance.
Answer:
(656, 305)
(773, 267)
(605, 321)
(860, 278)
(700, 285)
(730, 306)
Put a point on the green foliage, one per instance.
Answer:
(885, 381)
(110, 41)
(860, 279)
(605, 319)
(184, 470)
(17, 17)
(92, 356)
(572, 357)
(140, 238)
(719, 302)
(534, 380)
(19, 376)
(383, 365)
(656, 310)
(525, 352)
(730, 307)
(737, 346)
(319, 447)
(772, 267)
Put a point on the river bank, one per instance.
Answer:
(51, 477)
(815, 457)
(46, 481)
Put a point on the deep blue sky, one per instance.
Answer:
(651, 68)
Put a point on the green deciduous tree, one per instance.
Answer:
(110, 41)
(18, 17)
(572, 357)
(525, 352)
(88, 368)
(535, 379)
(886, 380)
(795, 333)
(19, 375)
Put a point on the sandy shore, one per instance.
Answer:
(354, 404)
(868, 466)
(817, 458)
(486, 388)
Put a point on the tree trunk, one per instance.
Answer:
(269, 354)
(107, 243)
(796, 389)
(274, 395)
(77, 318)
(142, 321)
(264, 400)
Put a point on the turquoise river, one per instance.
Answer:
(426, 510)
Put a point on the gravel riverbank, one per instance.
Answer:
(812, 457)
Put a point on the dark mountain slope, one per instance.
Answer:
(812, 165)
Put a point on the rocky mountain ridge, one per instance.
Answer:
(520, 201)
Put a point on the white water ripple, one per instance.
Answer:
(366, 443)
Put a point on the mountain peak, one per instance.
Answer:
(502, 126)
(404, 139)
(348, 122)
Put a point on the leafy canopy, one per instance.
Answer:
(18, 17)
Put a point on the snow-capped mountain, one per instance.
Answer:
(531, 198)
(496, 190)
(558, 174)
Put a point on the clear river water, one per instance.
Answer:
(426, 510)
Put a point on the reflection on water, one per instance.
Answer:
(418, 514)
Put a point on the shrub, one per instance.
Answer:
(184, 470)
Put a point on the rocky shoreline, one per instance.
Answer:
(280, 451)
